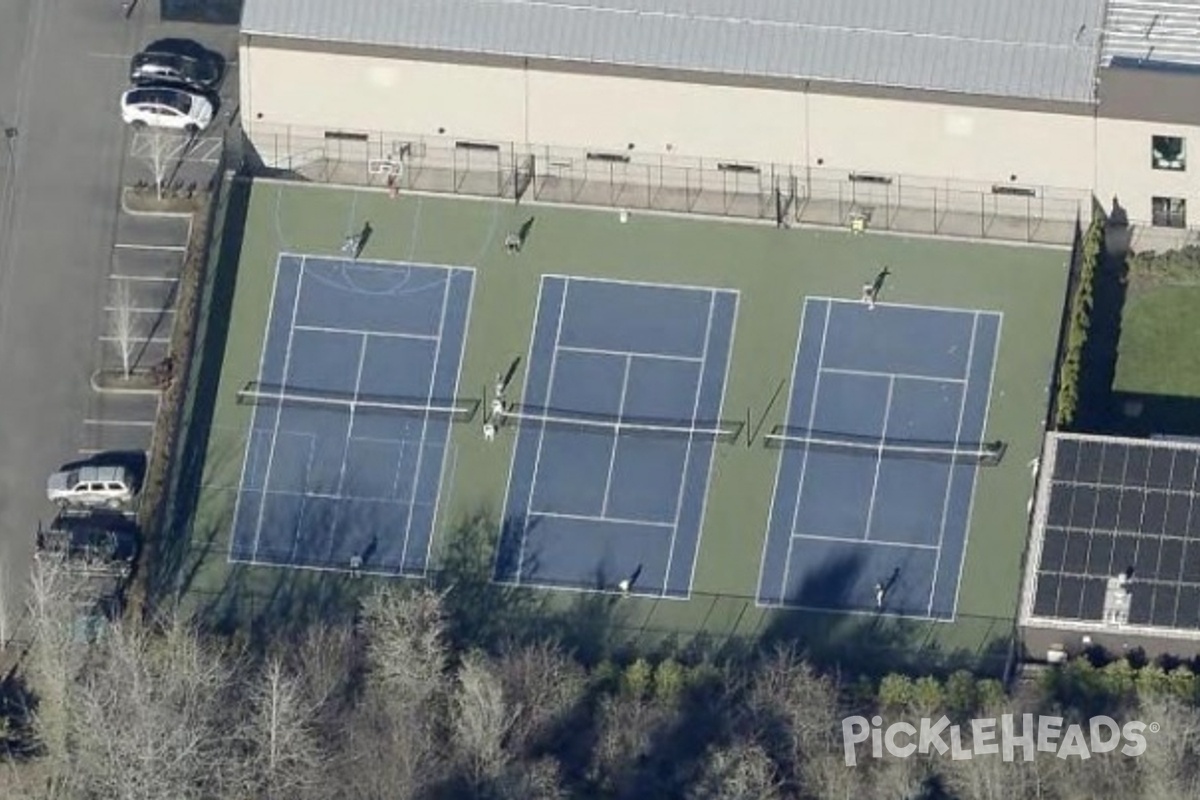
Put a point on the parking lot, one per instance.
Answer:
(146, 263)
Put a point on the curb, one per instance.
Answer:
(96, 387)
(138, 213)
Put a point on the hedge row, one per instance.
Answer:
(1078, 324)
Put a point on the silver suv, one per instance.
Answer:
(92, 487)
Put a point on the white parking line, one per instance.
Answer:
(165, 248)
(121, 423)
(151, 340)
(144, 278)
(114, 310)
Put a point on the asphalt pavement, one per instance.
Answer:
(63, 64)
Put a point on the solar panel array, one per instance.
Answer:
(1121, 507)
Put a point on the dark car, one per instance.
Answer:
(162, 67)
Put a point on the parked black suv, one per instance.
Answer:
(162, 67)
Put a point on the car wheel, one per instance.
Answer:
(191, 129)
(139, 124)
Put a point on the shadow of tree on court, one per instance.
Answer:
(872, 645)
(174, 539)
(263, 604)
(484, 613)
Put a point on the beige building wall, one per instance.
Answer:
(1125, 155)
(916, 143)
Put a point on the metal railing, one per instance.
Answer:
(780, 193)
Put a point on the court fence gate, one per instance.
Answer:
(781, 193)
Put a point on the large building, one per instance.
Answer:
(1021, 99)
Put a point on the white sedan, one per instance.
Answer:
(163, 107)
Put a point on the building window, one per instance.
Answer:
(1168, 212)
(1167, 153)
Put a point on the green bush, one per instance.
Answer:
(895, 691)
(1079, 321)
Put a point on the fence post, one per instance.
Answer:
(982, 215)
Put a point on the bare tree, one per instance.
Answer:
(161, 151)
(55, 658)
(123, 319)
(153, 716)
(393, 742)
(287, 757)
(544, 687)
(1170, 767)
(742, 771)
(482, 720)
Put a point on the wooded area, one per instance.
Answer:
(396, 706)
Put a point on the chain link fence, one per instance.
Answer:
(783, 194)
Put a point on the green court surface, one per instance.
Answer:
(773, 270)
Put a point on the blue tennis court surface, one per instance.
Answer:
(351, 482)
(592, 507)
(848, 519)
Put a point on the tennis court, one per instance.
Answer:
(615, 434)
(879, 454)
(353, 403)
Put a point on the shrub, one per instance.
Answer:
(1079, 320)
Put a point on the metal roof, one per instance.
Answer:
(1152, 32)
(1037, 49)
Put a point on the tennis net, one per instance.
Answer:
(981, 453)
(720, 431)
(457, 410)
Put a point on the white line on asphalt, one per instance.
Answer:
(113, 310)
(151, 340)
(169, 248)
(123, 423)
(146, 278)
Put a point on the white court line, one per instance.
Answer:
(512, 463)
(687, 456)
(708, 473)
(121, 423)
(913, 306)
(375, 262)
(590, 518)
(447, 447)
(812, 413)
(253, 432)
(887, 414)
(871, 542)
(355, 332)
(612, 455)
(905, 375)
(600, 351)
(962, 408)
(116, 276)
(362, 359)
(433, 373)
(537, 458)
(983, 435)
(162, 248)
(620, 282)
(287, 360)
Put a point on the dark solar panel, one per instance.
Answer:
(1065, 460)
(1121, 507)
